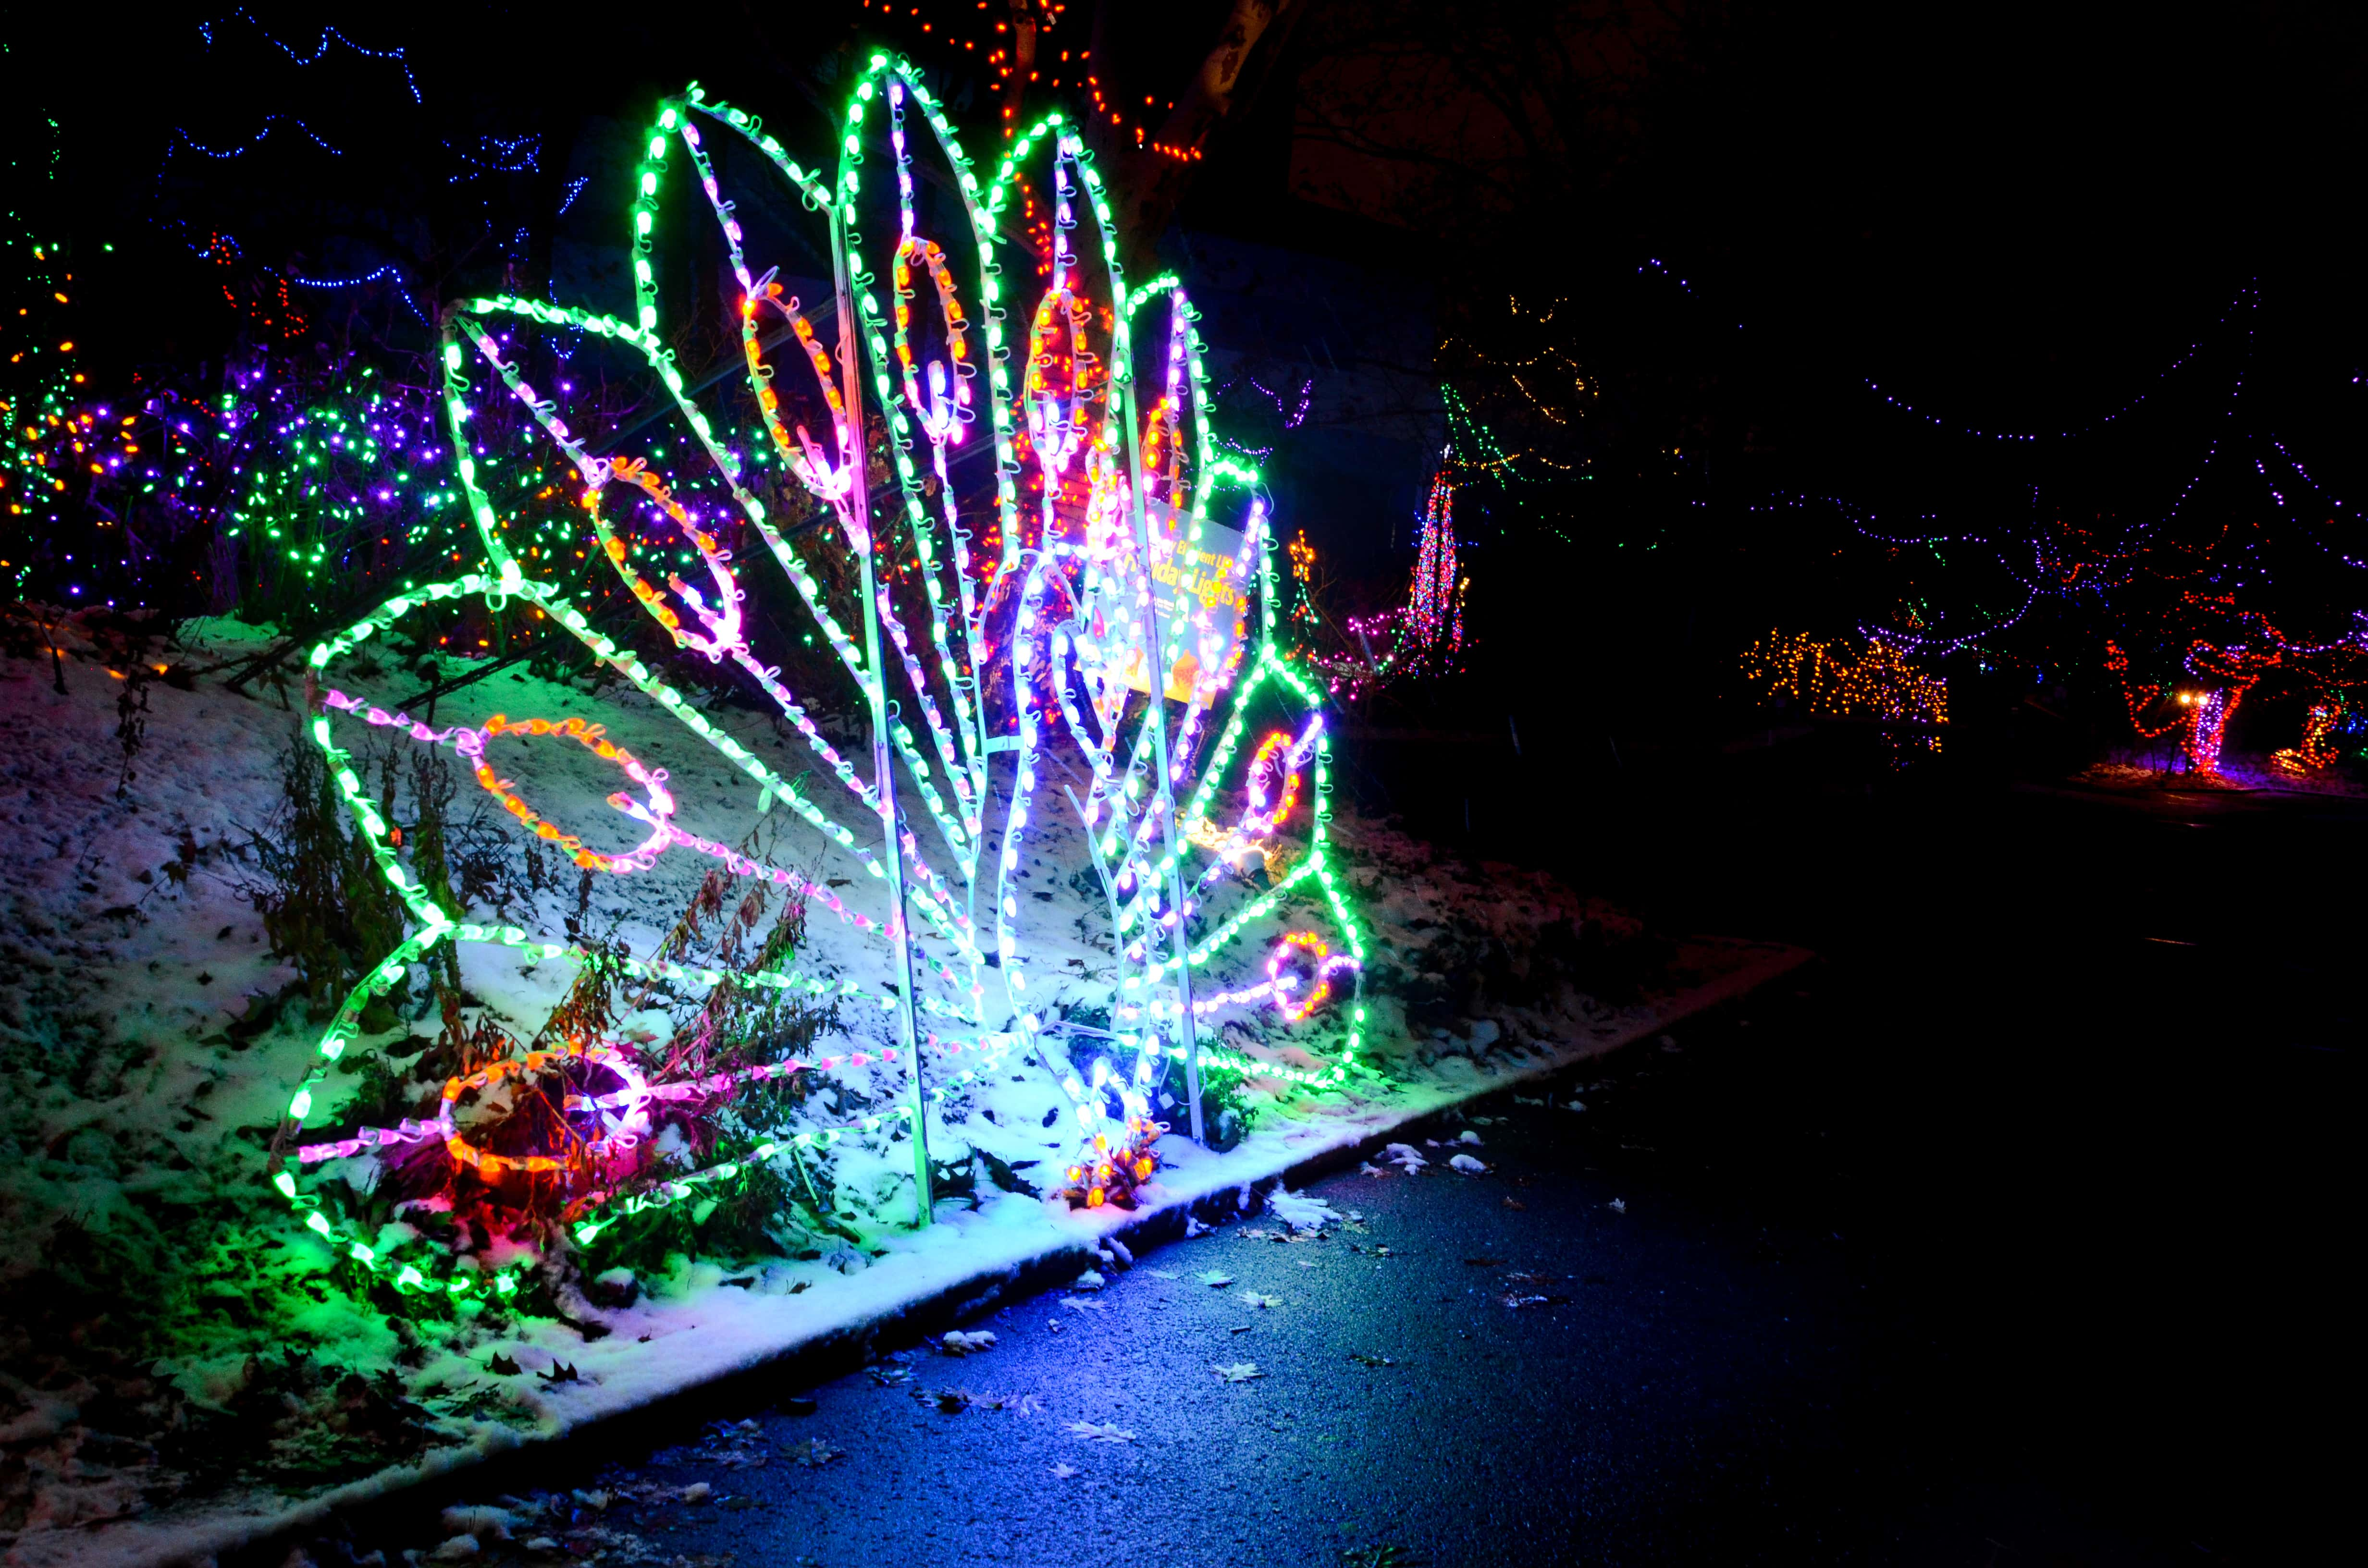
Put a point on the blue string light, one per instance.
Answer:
(224, 155)
(501, 156)
(1306, 393)
(1654, 263)
(270, 123)
(390, 272)
(328, 35)
(2248, 298)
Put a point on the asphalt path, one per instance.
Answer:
(2013, 1232)
(1545, 1362)
(1631, 1406)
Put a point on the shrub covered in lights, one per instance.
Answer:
(1850, 678)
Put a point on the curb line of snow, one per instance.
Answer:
(876, 1302)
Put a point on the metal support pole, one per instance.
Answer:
(884, 748)
(1156, 715)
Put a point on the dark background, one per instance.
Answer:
(2018, 219)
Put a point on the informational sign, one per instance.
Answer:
(1211, 582)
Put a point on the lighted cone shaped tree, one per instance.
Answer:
(991, 619)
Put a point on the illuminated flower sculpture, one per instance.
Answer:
(1083, 593)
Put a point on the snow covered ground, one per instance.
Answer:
(178, 1373)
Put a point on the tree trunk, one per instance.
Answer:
(1023, 65)
(1153, 182)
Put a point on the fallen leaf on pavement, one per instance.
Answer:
(1239, 1372)
(1618, 1206)
(1362, 1360)
(696, 1492)
(1254, 1299)
(1214, 1278)
(812, 1452)
(1371, 1169)
(1063, 1472)
(954, 1402)
(1300, 1211)
(1468, 1166)
(956, 1343)
(727, 1443)
(1109, 1432)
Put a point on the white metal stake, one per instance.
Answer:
(1155, 679)
(857, 455)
